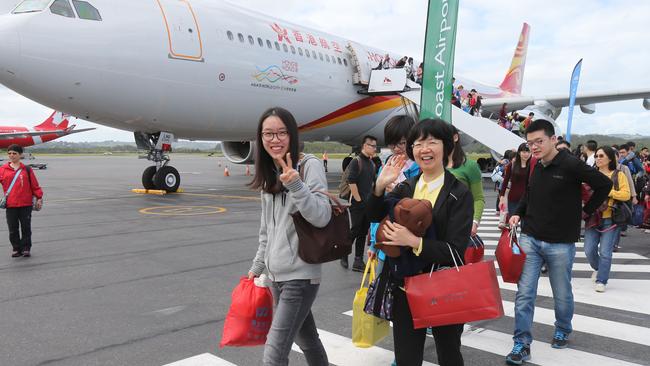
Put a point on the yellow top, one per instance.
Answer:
(428, 191)
(623, 193)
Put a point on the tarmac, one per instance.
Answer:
(119, 278)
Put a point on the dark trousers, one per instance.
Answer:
(325, 165)
(360, 225)
(20, 216)
(409, 342)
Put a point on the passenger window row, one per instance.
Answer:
(302, 52)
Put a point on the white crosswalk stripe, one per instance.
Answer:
(630, 295)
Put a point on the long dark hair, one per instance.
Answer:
(266, 173)
(611, 154)
(516, 162)
(458, 156)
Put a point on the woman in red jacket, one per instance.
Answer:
(20, 200)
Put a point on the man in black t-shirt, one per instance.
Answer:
(361, 179)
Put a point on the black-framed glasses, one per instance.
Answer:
(281, 135)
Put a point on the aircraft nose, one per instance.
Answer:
(9, 50)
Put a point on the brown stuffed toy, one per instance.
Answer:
(415, 215)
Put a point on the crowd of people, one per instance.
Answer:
(427, 163)
(406, 63)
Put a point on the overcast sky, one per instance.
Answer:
(611, 36)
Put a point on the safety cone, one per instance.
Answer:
(226, 172)
(248, 170)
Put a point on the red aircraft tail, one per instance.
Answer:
(56, 121)
(515, 77)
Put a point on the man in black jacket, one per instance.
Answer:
(361, 178)
(551, 210)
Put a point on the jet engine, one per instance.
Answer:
(239, 152)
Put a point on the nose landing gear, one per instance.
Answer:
(160, 176)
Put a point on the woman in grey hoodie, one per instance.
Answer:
(287, 186)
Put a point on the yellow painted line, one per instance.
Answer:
(249, 198)
(182, 210)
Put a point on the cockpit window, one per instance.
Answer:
(63, 8)
(86, 11)
(30, 6)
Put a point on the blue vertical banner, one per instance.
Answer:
(575, 79)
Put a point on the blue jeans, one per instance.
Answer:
(293, 322)
(559, 260)
(600, 256)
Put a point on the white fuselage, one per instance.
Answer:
(169, 65)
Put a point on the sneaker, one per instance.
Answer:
(358, 265)
(599, 287)
(520, 353)
(16, 254)
(544, 268)
(344, 262)
(26, 253)
(560, 340)
(616, 248)
(593, 276)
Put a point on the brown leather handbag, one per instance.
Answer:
(332, 242)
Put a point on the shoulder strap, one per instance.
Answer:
(13, 182)
(615, 179)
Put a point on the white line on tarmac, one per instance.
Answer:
(586, 324)
(542, 353)
(492, 242)
(628, 295)
(639, 268)
(581, 254)
(341, 351)
(205, 359)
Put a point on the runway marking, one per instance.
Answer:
(500, 343)
(182, 210)
(581, 254)
(250, 198)
(637, 268)
(634, 292)
(205, 359)
(586, 324)
(341, 351)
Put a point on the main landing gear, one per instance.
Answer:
(160, 176)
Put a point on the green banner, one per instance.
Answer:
(439, 46)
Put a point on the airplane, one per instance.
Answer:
(55, 126)
(206, 70)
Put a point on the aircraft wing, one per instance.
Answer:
(24, 134)
(480, 129)
(558, 101)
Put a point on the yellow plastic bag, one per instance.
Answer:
(367, 330)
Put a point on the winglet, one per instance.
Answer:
(514, 79)
(56, 121)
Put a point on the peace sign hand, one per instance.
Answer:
(289, 174)
(390, 172)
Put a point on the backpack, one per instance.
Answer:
(344, 186)
(497, 174)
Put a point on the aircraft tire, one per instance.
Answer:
(167, 178)
(147, 177)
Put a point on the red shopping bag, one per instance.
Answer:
(475, 250)
(454, 296)
(510, 256)
(249, 317)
